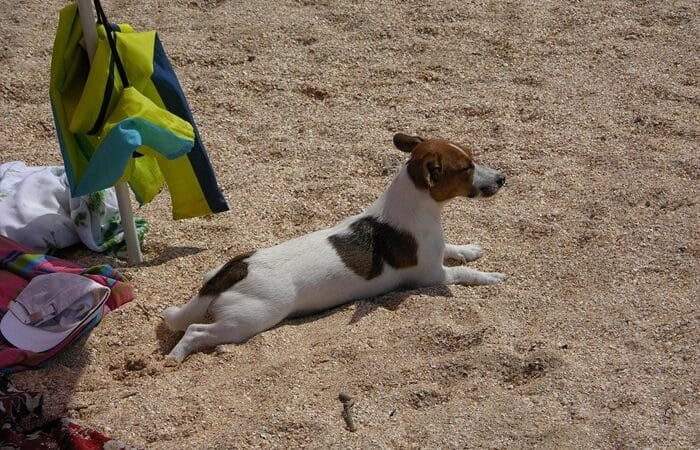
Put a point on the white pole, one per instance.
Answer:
(133, 249)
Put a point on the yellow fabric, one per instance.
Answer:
(137, 49)
(133, 103)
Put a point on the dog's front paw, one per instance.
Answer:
(463, 253)
(471, 252)
(470, 277)
(493, 277)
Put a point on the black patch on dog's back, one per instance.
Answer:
(231, 273)
(371, 243)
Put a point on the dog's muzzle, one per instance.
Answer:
(487, 182)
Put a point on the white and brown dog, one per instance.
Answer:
(396, 242)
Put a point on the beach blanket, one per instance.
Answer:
(23, 426)
(37, 210)
(18, 265)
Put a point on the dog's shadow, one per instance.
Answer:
(393, 300)
(390, 301)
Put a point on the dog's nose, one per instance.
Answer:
(500, 180)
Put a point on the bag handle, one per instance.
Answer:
(102, 19)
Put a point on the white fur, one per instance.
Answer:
(306, 274)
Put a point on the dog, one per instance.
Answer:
(395, 243)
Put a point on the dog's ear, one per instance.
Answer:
(406, 143)
(425, 170)
(432, 169)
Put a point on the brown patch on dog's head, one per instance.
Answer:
(444, 169)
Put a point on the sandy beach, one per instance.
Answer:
(591, 109)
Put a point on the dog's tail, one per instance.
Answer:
(178, 319)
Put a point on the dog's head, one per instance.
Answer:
(447, 170)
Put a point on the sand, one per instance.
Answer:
(592, 109)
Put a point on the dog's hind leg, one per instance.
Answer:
(237, 319)
(200, 335)
(179, 318)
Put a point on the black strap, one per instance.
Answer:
(112, 39)
(109, 87)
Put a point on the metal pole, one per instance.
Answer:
(133, 248)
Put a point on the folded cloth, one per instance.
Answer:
(37, 210)
(22, 425)
(19, 265)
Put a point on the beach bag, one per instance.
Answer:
(124, 118)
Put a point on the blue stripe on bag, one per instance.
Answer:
(171, 93)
